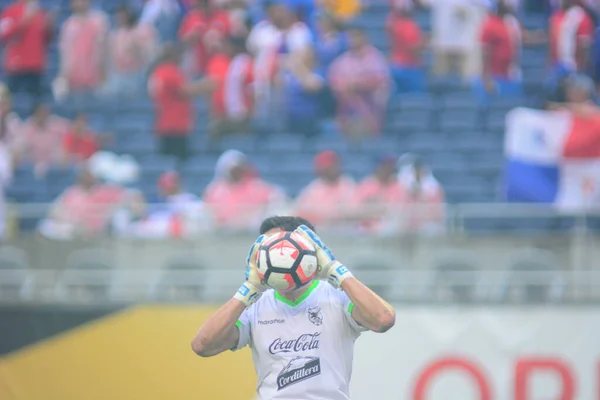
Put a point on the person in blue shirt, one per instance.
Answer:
(330, 40)
(303, 88)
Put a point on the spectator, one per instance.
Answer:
(84, 209)
(406, 56)
(79, 143)
(360, 80)
(82, 47)
(379, 197)
(230, 75)
(172, 95)
(424, 197)
(10, 122)
(164, 15)
(455, 24)
(188, 214)
(25, 32)
(270, 41)
(343, 10)
(571, 30)
(191, 32)
(132, 47)
(41, 139)
(327, 200)
(219, 26)
(501, 38)
(237, 197)
(330, 42)
(303, 92)
(577, 96)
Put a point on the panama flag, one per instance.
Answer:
(552, 157)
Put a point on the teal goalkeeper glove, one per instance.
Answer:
(330, 269)
(253, 288)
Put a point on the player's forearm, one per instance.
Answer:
(370, 310)
(219, 332)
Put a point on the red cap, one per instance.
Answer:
(325, 159)
(168, 180)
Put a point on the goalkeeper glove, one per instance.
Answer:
(329, 269)
(253, 288)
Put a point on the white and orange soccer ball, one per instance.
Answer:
(286, 261)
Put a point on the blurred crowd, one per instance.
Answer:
(265, 66)
(401, 195)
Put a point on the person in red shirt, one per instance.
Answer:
(79, 142)
(230, 74)
(406, 56)
(25, 32)
(172, 94)
(501, 37)
(191, 32)
(571, 31)
(378, 199)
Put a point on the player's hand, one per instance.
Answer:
(253, 288)
(330, 269)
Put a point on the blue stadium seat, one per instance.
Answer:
(416, 102)
(413, 121)
(457, 122)
(337, 144)
(281, 143)
(496, 121)
(137, 147)
(157, 163)
(245, 143)
(201, 164)
(460, 101)
(381, 146)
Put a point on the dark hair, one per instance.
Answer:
(131, 17)
(288, 224)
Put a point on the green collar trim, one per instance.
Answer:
(290, 303)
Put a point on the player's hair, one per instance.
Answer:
(286, 223)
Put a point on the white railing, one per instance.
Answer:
(213, 285)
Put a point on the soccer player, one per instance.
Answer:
(302, 341)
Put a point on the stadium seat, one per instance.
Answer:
(245, 143)
(413, 121)
(281, 143)
(457, 122)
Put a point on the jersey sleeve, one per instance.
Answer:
(347, 307)
(244, 325)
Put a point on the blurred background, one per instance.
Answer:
(448, 150)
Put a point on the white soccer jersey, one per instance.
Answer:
(304, 349)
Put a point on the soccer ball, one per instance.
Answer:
(286, 261)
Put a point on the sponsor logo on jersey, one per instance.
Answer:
(304, 342)
(315, 315)
(298, 370)
(271, 321)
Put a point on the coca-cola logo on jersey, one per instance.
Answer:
(304, 342)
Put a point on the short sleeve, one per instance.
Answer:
(244, 327)
(486, 33)
(299, 38)
(586, 29)
(347, 307)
